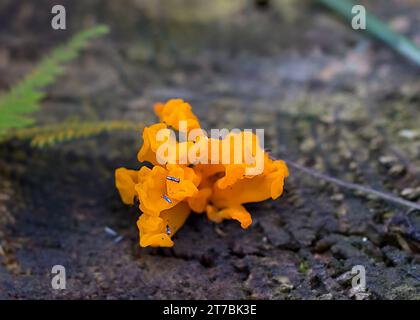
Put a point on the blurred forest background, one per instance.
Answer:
(329, 98)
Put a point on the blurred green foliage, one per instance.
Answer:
(53, 134)
(23, 99)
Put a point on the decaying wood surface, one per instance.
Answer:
(327, 98)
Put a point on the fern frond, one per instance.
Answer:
(50, 135)
(24, 98)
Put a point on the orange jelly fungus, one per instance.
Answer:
(168, 193)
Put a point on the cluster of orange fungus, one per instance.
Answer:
(168, 193)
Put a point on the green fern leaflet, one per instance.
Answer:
(25, 97)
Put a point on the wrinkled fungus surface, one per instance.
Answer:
(169, 192)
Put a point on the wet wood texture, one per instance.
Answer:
(327, 97)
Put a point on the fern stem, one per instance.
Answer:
(50, 135)
(378, 29)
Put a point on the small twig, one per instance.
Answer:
(354, 186)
